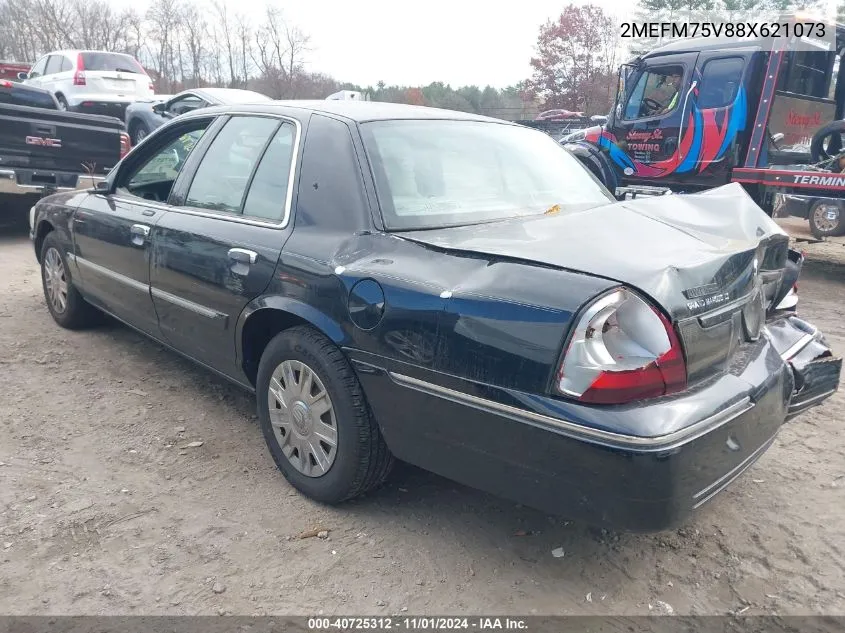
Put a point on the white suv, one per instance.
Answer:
(91, 81)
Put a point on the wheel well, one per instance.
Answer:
(258, 330)
(43, 229)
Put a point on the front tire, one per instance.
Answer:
(315, 418)
(66, 305)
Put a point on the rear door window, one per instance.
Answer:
(268, 191)
(222, 178)
(66, 65)
(720, 81)
(114, 62)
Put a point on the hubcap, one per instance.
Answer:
(302, 417)
(140, 134)
(55, 280)
(826, 217)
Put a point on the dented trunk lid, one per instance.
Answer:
(703, 257)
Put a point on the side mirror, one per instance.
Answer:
(159, 108)
(101, 186)
(23, 76)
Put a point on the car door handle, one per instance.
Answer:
(242, 256)
(139, 234)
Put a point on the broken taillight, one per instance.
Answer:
(622, 349)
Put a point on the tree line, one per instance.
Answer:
(193, 43)
(196, 43)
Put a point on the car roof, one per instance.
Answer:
(223, 94)
(76, 51)
(358, 111)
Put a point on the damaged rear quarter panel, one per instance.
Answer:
(505, 323)
(486, 319)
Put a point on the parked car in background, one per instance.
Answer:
(142, 117)
(11, 71)
(558, 115)
(454, 291)
(44, 150)
(98, 82)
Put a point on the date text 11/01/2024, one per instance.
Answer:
(411, 623)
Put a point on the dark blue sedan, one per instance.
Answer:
(450, 290)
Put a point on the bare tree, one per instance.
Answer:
(163, 18)
(245, 38)
(298, 45)
(224, 33)
(195, 31)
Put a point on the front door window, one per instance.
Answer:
(153, 178)
(656, 93)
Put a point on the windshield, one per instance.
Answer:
(432, 173)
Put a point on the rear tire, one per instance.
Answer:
(64, 302)
(326, 465)
(63, 105)
(138, 133)
(821, 224)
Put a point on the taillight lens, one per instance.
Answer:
(125, 144)
(79, 75)
(622, 349)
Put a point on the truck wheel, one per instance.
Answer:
(315, 418)
(66, 305)
(826, 218)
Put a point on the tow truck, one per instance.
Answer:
(768, 117)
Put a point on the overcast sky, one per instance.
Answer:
(455, 41)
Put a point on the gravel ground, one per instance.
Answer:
(102, 512)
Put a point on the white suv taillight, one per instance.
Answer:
(79, 75)
(623, 349)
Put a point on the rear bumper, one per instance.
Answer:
(588, 463)
(19, 181)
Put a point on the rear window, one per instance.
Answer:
(806, 73)
(112, 61)
(27, 97)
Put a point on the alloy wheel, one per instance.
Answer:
(55, 280)
(826, 217)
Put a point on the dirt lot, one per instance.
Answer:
(101, 512)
